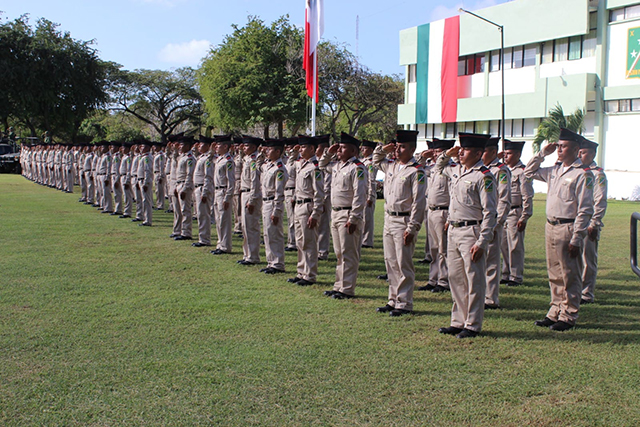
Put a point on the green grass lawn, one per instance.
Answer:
(103, 322)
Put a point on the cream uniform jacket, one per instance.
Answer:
(600, 188)
(145, 170)
(225, 176)
(521, 191)
(250, 178)
(502, 174)
(310, 184)
(274, 178)
(184, 172)
(570, 194)
(350, 184)
(203, 175)
(473, 196)
(404, 189)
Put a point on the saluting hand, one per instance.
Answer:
(389, 147)
(334, 148)
(453, 151)
(549, 148)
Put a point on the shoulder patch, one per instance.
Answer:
(360, 174)
(502, 177)
(488, 184)
(421, 177)
(318, 174)
(229, 165)
(280, 176)
(589, 182)
(602, 180)
(253, 166)
(189, 162)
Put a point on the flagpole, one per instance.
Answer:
(315, 92)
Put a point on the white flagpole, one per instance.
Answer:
(315, 93)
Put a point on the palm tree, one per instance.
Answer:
(549, 128)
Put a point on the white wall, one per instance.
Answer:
(617, 54)
(567, 68)
(622, 153)
(519, 80)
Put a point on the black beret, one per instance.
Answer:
(473, 140)
(345, 138)
(513, 145)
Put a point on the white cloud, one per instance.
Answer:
(185, 54)
(442, 12)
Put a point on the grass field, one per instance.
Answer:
(103, 322)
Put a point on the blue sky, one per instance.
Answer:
(164, 34)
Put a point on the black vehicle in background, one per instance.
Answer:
(9, 157)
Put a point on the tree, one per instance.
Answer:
(49, 80)
(165, 100)
(113, 126)
(549, 128)
(250, 79)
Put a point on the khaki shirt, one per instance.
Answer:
(349, 185)
(134, 169)
(203, 175)
(473, 196)
(158, 163)
(174, 171)
(115, 166)
(438, 187)
(570, 193)
(104, 165)
(521, 191)
(184, 172)
(291, 170)
(274, 178)
(404, 188)
(250, 178)
(239, 163)
(125, 167)
(600, 188)
(145, 169)
(94, 163)
(88, 161)
(310, 184)
(225, 176)
(502, 174)
(372, 170)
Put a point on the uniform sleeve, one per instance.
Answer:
(318, 194)
(526, 190)
(372, 188)
(281, 180)
(486, 188)
(600, 188)
(533, 169)
(504, 195)
(255, 195)
(231, 180)
(380, 159)
(419, 205)
(325, 160)
(441, 165)
(360, 181)
(584, 197)
(207, 188)
(148, 172)
(188, 181)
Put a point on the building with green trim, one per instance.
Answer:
(576, 53)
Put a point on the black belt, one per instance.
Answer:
(343, 208)
(101, 174)
(179, 182)
(439, 208)
(266, 199)
(221, 187)
(245, 191)
(398, 213)
(199, 185)
(516, 207)
(560, 221)
(301, 201)
(457, 224)
(289, 188)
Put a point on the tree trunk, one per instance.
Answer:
(280, 129)
(266, 131)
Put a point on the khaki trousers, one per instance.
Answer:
(590, 269)
(177, 215)
(438, 271)
(369, 224)
(513, 248)
(289, 197)
(185, 206)
(427, 241)
(118, 194)
(83, 187)
(128, 195)
(107, 200)
(147, 203)
(565, 274)
(273, 238)
(251, 230)
(398, 259)
(159, 182)
(237, 209)
(492, 295)
(347, 248)
(468, 279)
(99, 187)
(307, 243)
(224, 222)
(138, 195)
(204, 217)
(324, 231)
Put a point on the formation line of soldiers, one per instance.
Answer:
(474, 200)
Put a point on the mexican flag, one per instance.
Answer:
(313, 30)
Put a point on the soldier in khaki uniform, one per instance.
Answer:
(520, 212)
(502, 174)
(366, 151)
(104, 178)
(251, 201)
(238, 155)
(324, 230)
(125, 180)
(183, 216)
(116, 186)
(204, 188)
(224, 185)
(590, 253)
(145, 182)
(290, 196)
(309, 202)
(273, 178)
(159, 159)
(472, 223)
(349, 185)
(88, 177)
(437, 213)
(137, 193)
(405, 201)
(569, 211)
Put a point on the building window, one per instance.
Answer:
(560, 50)
(494, 64)
(451, 130)
(472, 64)
(591, 106)
(517, 126)
(593, 20)
(575, 47)
(412, 73)
(635, 104)
(625, 105)
(621, 14)
(529, 59)
(547, 52)
(483, 127)
(508, 55)
(518, 54)
(622, 105)
(589, 43)
(611, 107)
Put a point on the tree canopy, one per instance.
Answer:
(50, 81)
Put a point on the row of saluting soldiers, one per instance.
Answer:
(474, 199)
